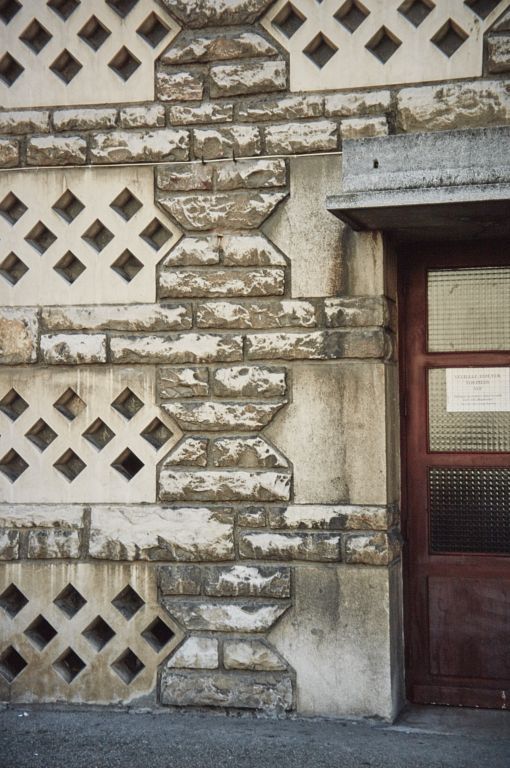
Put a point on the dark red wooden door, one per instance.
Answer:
(455, 358)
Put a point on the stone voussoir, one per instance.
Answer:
(192, 47)
(196, 653)
(194, 252)
(211, 13)
(244, 78)
(251, 174)
(211, 416)
(220, 486)
(190, 452)
(241, 615)
(251, 655)
(250, 250)
(216, 282)
(237, 210)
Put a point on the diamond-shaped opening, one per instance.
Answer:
(68, 206)
(69, 665)
(156, 433)
(153, 30)
(416, 11)
(41, 434)
(11, 208)
(12, 269)
(40, 632)
(449, 38)
(128, 464)
(289, 20)
(482, 8)
(64, 8)
(99, 434)
(10, 69)
(12, 600)
(320, 50)
(69, 267)
(158, 634)
(128, 666)
(13, 405)
(127, 266)
(69, 404)
(66, 66)
(383, 44)
(156, 234)
(94, 33)
(128, 602)
(98, 633)
(122, 7)
(126, 204)
(127, 403)
(8, 10)
(11, 664)
(351, 14)
(70, 465)
(35, 36)
(124, 64)
(12, 465)
(40, 237)
(69, 601)
(98, 236)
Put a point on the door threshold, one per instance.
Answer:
(473, 722)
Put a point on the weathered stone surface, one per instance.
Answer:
(249, 381)
(191, 47)
(218, 417)
(190, 452)
(286, 108)
(251, 654)
(357, 104)
(179, 86)
(204, 113)
(183, 177)
(251, 174)
(217, 143)
(9, 544)
(363, 127)
(182, 382)
(258, 690)
(341, 517)
(318, 345)
(24, 121)
(189, 283)
(180, 579)
(248, 452)
(194, 252)
(49, 544)
(356, 311)
(116, 317)
(139, 146)
(84, 119)
(274, 314)
(158, 533)
(313, 136)
(211, 13)
(218, 616)
(503, 23)
(455, 105)
(370, 548)
(498, 53)
(148, 116)
(40, 516)
(245, 78)
(195, 653)
(237, 210)
(253, 250)
(290, 546)
(73, 348)
(56, 150)
(18, 335)
(184, 348)
(9, 153)
(214, 485)
(247, 581)
(252, 517)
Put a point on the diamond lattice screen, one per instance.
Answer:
(65, 52)
(336, 44)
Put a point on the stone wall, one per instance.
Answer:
(198, 402)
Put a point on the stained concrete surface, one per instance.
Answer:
(422, 738)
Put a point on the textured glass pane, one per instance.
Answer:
(469, 510)
(468, 309)
(476, 431)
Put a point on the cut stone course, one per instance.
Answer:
(218, 143)
(18, 335)
(217, 46)
(249, 174)
(195, 653)
(285, 108)
(9, 544)
(318, 345)
(370, 548)
(247, 581)
(184, 348)
(274, 314)
(190, 452)
(246, 78)
(238, 210)
(252, 517)
(213, 416)
(114, 317)
(180, 579)
(249, 452)
(56, 150)
(357, 104)
(150, 116)
(309, 516)
(9, 153)
(139, 146)
(179, 86)
(270, 545)
(73, 349)
(52, 543)
(249, 381)
(356, 311)
(363, 127)
(211, 13)
(251, 250)
(498, 53)
(182, 382)
(194, 252)
(251, 654)
(41, 516)
(84, 119)
(183, 177)
(265, 281)
(218, 616)
(24, 121)
(214, 485)
(258, 690)
(204, 113)
(313, 136)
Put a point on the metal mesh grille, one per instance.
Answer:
(469, 510)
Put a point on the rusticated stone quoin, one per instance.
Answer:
(237, 210)
(226, 689)
(213, 416)
(246, 78)
(265, 281)
(217, 616)
(238, 485)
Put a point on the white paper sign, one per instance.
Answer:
(478, 389)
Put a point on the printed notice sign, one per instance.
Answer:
(478, 389)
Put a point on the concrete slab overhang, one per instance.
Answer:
(444, 185)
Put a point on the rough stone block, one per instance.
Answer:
(195, 653)
(53, 543)
(324, 547)
(216, 282)
(148, 116)
(222, 45)
(182, 382)
(256, 315)
(237, 210)
(356, 311)
(293, 138)
(180, 579)
(40, 516)
(251, 174)
(72, 349)
(247, 452)
(84, 119)
(139, 146)
(116, 317)
(247, 581)
(318, 345)
(9, 544)
(18, 335)
(183, 177)
(24, 121)
(214, 485)
(498, 53)
(226, 689)
(190, 452)
(204, 113)
(184, 348)
(251, 655)
(251, 517)
(194, 252)
(370, 548)
(211, 416)
(56, 150)
(363, 127)
(9, 153)
(245, 78)
(252, 250)
(211, 13)
(179, 86)
(249, 381)
(217, 143)
(219, 616)
(321, 517)
(357, 104)
(286, 108)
